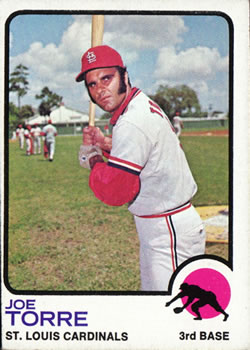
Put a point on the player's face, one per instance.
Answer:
(103, 86)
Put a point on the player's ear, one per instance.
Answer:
(126, 79)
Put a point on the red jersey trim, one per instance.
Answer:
(125, 163)
(154, 105)
(169, 212)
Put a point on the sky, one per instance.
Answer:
(170, 49)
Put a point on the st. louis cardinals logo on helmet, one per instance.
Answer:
(91, 57)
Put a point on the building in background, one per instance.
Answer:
(67, 120)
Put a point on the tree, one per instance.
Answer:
(49, 100)
(13, 115)
(178, 98)
(105, 116)
(26, 111)
(19, 83)
(17, 116)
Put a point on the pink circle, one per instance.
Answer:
(212, 281)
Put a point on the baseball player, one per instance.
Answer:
(146, 168)
(199, 297)
(50, 133)
(178, 124)
(28, 139)
(36, 133)
(20, 135)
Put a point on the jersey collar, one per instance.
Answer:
(134, 91)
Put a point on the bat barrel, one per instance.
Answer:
(96, 40)
(97, 30)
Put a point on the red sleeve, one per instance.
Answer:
(113, 186)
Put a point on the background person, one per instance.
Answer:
(28, 139)
(20, 135)
(178, 124)
(50, 133)
(36, 132)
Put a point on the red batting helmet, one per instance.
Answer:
(102, 56)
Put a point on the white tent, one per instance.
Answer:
(60, 115)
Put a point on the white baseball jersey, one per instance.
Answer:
(20, 131)
(51, 132)
(144, 142)
(29, 144)
(36, 131)
(147, 168)
(20, 135)
(176, 121)
(26, 134)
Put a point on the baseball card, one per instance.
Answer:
(124, 175)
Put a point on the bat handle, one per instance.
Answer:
(91, 114)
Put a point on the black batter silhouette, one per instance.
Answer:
(204, 298)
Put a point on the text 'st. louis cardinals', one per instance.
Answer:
(146, 166)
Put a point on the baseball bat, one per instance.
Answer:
(97, 30)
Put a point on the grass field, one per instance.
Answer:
(62, 238)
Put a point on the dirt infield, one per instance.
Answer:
(206, 133)
(216, 224)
